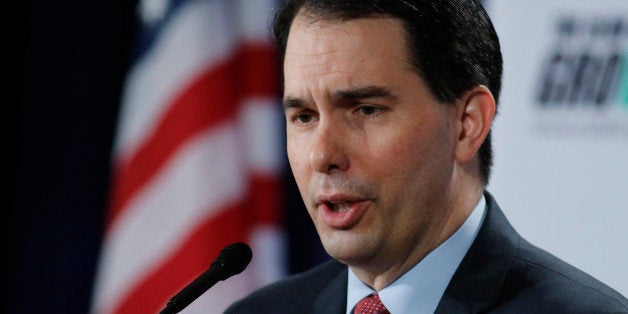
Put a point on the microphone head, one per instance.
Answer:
(234, 258)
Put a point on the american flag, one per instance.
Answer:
(197, 157)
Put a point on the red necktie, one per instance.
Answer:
(371, 305)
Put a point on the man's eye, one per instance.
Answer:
(303, 118)
(369, 110)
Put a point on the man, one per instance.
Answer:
(388, 110)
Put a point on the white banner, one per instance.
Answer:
(561, 134)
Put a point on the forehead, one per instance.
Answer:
(336, 49)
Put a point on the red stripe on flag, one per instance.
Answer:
(258, 69)
(265, 192)
(186, 262)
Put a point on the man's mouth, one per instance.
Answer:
(342, 214)
(339, 207)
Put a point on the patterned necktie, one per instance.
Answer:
(371, 304)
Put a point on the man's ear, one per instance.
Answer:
(476, 110)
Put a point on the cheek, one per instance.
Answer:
(298, 160)
(392, 164)
(398, 150)
(295, 158)
(410, 155)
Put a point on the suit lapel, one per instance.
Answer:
(477, 282)
(333, 299)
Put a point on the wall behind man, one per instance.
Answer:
(561, 135)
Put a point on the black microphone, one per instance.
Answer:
(232, 260)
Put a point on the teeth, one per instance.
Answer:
(339, 206)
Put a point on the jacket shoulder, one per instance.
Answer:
(502, 272)
(540, 282)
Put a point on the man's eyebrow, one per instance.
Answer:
(343, 96)
(292, 102)
(361, 93)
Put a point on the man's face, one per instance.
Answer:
(371, 150)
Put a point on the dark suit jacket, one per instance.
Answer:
(501, 273)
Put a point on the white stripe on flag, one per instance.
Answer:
(260, 120)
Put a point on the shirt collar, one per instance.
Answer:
(420, 289)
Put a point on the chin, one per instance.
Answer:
(346, 247)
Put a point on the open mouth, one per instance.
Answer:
(339, 207)
(342, 214)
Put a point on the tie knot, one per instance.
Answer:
(371, 304)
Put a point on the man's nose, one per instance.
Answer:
(329, 148)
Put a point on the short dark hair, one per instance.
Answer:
(453, 44)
